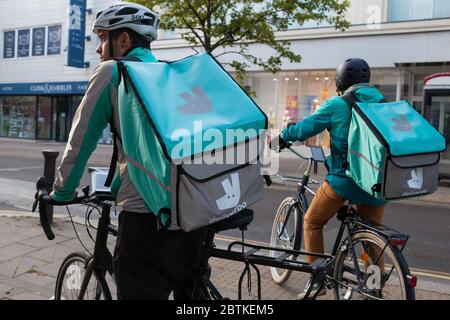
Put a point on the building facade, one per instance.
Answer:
(39, 92)
(403, 40)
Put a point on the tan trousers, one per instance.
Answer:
(324, 206)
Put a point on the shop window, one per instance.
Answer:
(5, 114)
(290, 97)
(406, 10)
(441, 9)
(387, 80)
(18, 117)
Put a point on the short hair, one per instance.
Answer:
(136, 39)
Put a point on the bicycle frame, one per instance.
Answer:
(350, 222)
(101, 260)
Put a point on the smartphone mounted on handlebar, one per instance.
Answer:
(317, 153)
(98, 180)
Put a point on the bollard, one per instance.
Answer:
(49, 172)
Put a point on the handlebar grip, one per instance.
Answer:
(268, 180)
(44, 200)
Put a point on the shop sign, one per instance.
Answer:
(54, 40)
(9, 42)
(77, 33)
(44, 88)
(38, 41)
(23, 43)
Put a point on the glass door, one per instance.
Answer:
(61, 118)
(437, 112)
(440, 118)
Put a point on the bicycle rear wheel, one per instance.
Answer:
(383, 270)
(289, 238)
(71, 274)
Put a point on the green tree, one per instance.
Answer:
(234, 24)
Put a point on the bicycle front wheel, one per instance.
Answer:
(382, 270)
(71, 275)
(286, 234)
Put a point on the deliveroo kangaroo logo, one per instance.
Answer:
(402, 124)
(232, 193)
(198, 103)
(416, 181)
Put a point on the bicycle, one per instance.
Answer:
(88, 281)
(368, 264)
(82, 276)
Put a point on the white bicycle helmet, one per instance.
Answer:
(128, 15)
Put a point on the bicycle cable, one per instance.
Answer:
(88, 221)
(76, 232)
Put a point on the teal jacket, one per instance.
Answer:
(99, 105)
(334, 115)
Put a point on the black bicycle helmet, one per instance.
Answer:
(350, 72)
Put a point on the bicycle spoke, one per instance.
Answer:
(283, 237)
(71, 277)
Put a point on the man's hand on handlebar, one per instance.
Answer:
(43, 199)
(278, 144)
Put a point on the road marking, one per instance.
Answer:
(415, 271)
(430, 273)
(419, 203)
(18, 169)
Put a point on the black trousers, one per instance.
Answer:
(150, 264)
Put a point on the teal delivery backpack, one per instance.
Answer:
(193, 140)
(393, 152)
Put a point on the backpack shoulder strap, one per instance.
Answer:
(115, 135)
(350, 98)
(128, 58)
(115, 155)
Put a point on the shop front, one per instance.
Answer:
(42, 111)
(291, 96)
(436, 109)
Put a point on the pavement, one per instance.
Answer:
(29, 263)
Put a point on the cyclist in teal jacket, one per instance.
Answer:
(352, 76)
(148, 264)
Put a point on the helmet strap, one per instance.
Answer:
(111, 49)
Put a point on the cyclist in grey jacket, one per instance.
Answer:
(148, 264)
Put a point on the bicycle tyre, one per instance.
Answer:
(70, 277)
(280, 276)
(391, 254)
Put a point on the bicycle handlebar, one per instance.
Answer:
(297, 154)
(43, 198)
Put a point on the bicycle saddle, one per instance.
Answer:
(240, 220)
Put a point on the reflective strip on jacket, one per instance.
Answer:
(91, 118)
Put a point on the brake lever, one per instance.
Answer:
(35, 203)
(42, 183)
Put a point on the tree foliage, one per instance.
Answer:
(232, 25)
